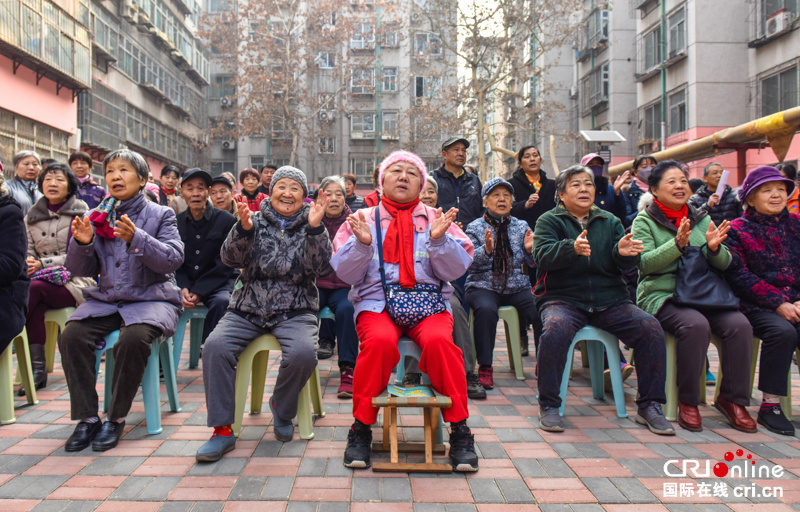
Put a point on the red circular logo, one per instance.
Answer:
(721, 469)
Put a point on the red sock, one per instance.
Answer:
(225, 431)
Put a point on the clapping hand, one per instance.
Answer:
(529, 242)
(621, 179)
(582, 247)
(488, 241)
(318, 207)
(683, 233)
(715, 237)
(630, 247)
(244, 216)
(124, 229)
(442, 222)
(82, 230)
(360, 227)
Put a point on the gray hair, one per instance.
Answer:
(25, 154)
(329, 180)
(434, 183)
(3, 188)
(566, 175)
(707, 168)
(132, 157)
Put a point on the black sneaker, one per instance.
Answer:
(359, 446)
(462, 448)
(474, 388)
(325, 349)
(774, 420)
(411, 380)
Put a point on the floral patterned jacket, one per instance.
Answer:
(765, 271)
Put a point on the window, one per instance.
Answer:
(221, 86)
(327, 101)
(595, 87)
(426, 86)
(652, 49)
(391, 39)
(327, 60)
(362, 126)
(390, 79)
(362, 81)
(389, 126)
(257, 162)
(106, 30)
(218, 168)
(677, 32)
(425, 43)
(771, 9)
(362, 168)
(218, 5)
(327, 145)
(363, 38)
(779, 92)
(277, 131)
(597, 24)
(427, 131)
(279, 162)
(677, 112)
(652, 123)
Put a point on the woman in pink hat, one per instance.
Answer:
(607, 197)
(415, 247)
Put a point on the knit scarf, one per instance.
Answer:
(30, 187)
(398, 245)
(104, 217)
(643, 185)
(674, 216)
(502, 257)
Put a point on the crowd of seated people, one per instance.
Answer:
(415, 258)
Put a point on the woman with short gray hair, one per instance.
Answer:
(27, 165)
(134, 245)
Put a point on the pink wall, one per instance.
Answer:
(20, 94)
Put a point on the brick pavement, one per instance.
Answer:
(600, 463)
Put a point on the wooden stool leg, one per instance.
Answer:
(393, 434)
(386, 428)
(428, 436)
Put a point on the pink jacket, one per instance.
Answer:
(441, 260)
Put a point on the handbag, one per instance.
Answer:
(408, 306)
(697, 285)
(58, 275)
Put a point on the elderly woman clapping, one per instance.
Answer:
(670, 228)
(502, 244)
(282, 250)
(765, 275)
(133, 244)
(420, 250)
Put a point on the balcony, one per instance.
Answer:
(62, 55)
(646, 5)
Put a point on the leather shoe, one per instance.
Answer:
(689, 417)
(737, 415)
(108, 437)
(82, 436)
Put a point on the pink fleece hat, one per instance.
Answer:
(591, 156)
(402, 156)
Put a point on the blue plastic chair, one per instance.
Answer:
(408, 348)
(196, 318)
(160, 357)
(595, 340)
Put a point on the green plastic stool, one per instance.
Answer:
(54, 322)
(196, 318)
(255, 360)
(671, 407)
(596, 340)
(7, 380)
(510, 318)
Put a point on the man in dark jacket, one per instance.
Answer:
(354, 201)
(457, 187)
(266, 178)
(576, 290)
(707, 198)
(203, 277)
(14, 281)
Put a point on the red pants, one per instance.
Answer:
(441, 360)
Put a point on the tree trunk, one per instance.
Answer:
(481, 98)
(295, 144)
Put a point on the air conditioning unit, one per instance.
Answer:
(573, 92)
(226, 102)
(418, 102)
(778, 22)
(416, 18)
(128, 11)
(326, 117)
(229, 144)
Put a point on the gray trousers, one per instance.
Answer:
(298, 339)
(461, 338)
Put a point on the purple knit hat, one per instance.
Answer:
(402, 156)
(761, 175)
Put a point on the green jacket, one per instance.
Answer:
(590, 283)
(659, 262)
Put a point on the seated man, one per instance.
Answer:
(574, 290)
(420, 246)
(203, 277)
(282, 250)
(221, 194)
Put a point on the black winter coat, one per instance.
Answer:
(729, 207)
(356, 202)
(203, 271)
(14, 281)
(463, 193)
(523, 190)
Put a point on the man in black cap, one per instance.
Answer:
(457, 187)
(203, 277)
(221, 193)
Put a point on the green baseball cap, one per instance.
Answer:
(452, 140)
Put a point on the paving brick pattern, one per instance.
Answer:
(600, 462)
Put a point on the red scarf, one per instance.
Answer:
(169, 193)
(398, 245)
(674, 216)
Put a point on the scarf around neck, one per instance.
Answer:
(398, 244)
(104, 217)
(643, 186)
(333, 225)
(674, 216)
(502, 257)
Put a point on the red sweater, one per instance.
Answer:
(255, 203)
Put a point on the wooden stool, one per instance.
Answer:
(430, 412)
